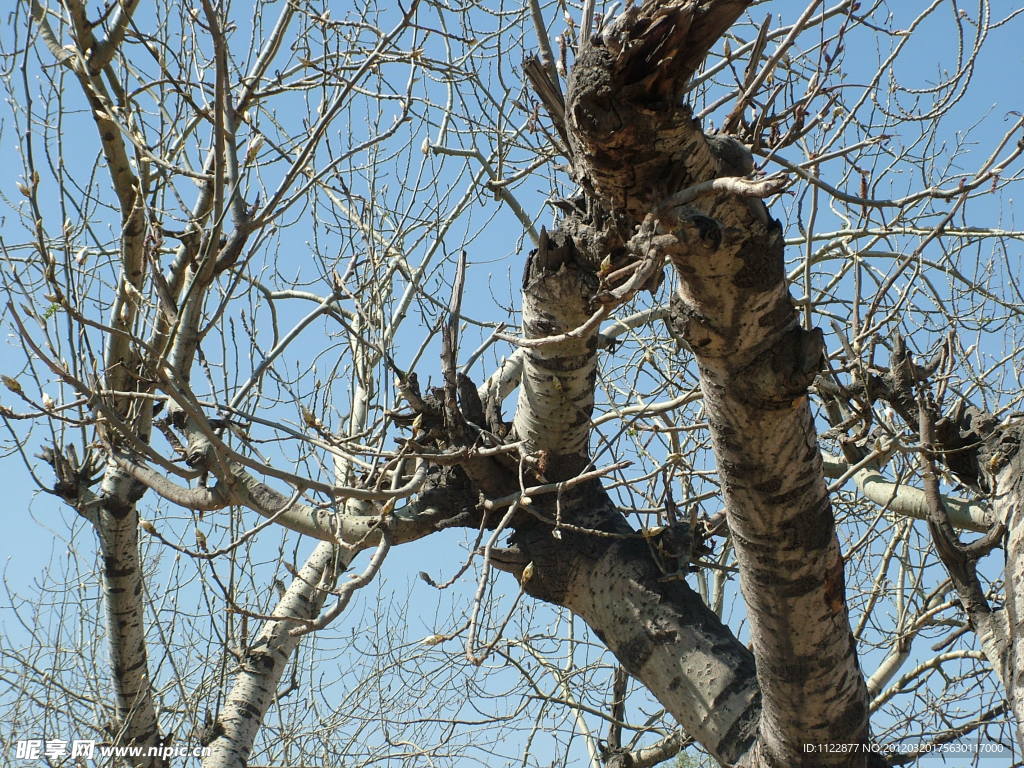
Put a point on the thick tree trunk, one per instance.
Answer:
(658, 628)
(1002, 632)
(641, 158)
(791, 573)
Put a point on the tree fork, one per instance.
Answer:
(638, 152)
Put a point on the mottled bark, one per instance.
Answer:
(115, 517)
(640, 155)
(584, 554)
(556, 395)
(117, 525)
(792, 576)
(1001, 633)
(233, 732)
(658, 628)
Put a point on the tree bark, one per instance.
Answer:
(584, 554)
(117, 525)
(1000, 632)
(640, 156)
(232, 734)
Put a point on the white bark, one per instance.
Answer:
(117, 525)
(556, 393)
(265, 660)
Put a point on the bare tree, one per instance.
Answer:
(258, 279)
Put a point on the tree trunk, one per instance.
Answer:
(117, 525)
(232, 734)
(584, 554)
(658, 188)
(1002, 634)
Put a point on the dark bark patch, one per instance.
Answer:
(554, 251)
(688, 326)
(708, 230)
(785, 667)
(808, 532)
(565, 363)
(246, 709)
(835, 589)
(771, 485)
(781, 373)
(117, 507)
(112, 571)
(635, 652)
(793, 588)
(852, 720)
(795, 493)
(733, 157)
(763, 267)
(780, 316)
(211, 731)
(740, 737)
